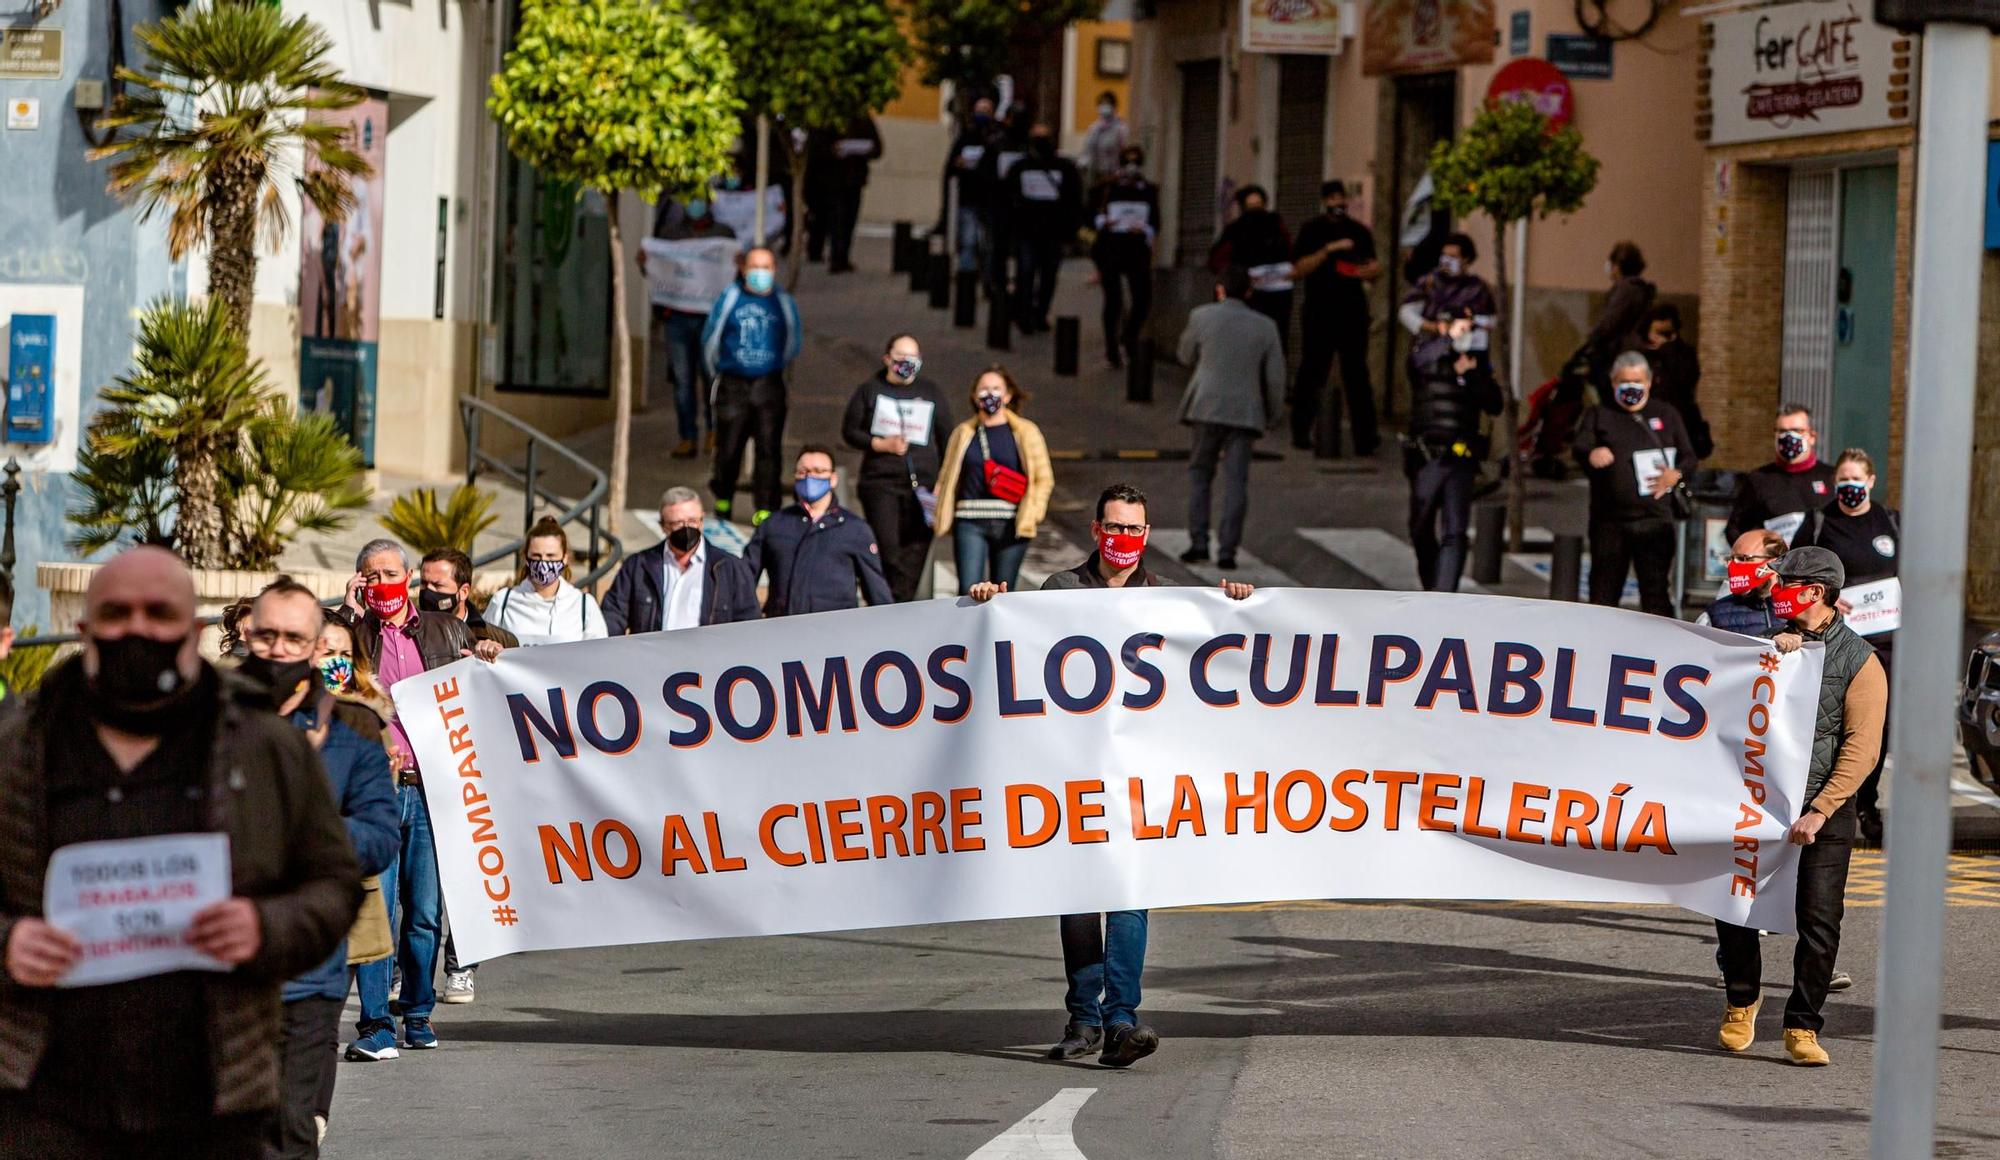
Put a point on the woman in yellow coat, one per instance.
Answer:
(994, 483)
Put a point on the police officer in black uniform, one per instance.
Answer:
(817, 553)
(1452, 388)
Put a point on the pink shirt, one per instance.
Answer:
(399, 659)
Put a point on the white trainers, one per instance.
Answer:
(457, 987)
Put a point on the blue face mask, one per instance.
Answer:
(697, 208)
(760, 281)
(813, 488)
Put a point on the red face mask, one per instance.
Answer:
(1790, 601)
(1746, 574)
(1121, 550)
(386, 600)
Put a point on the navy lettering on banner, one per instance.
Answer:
(1100, 681)
(1198, 670)
(1451, 672)
(593, 732)
(835, 692)
(950, 682)
(1563, 708)
(759, 726)
(699, 725)
(1260, 670)
(1619, 691)
(554, 728)
(1506, 675)
(871, 690)
(1674, 685)
(1323, 691)
(1382, 674)
(1010, 705)
(1136, 664)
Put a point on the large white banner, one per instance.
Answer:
(1058, 752)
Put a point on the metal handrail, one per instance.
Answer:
(603, 549)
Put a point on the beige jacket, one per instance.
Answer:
(1033, 507)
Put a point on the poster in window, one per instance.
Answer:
(1401, 36)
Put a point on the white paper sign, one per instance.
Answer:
(130, 903)
(910, 418)
(689, 274)
(853, 147)
(1069, 752)
(737, 209)
(1787, 525)
(1875, 608)
(968, 157)
(1040, 185)
(1127, 217)
(1649, 463)
(1007, 160)
(1272, 276)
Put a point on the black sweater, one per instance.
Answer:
(877, 466)
(1614, 490)
(1771, 491)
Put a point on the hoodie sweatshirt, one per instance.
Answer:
(572, 616)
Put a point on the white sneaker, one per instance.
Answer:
(457, 987)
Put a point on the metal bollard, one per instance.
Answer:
(999, 327)
(965, 307)
(938, 280)
(1068, 332)
(1139, 373)
(902, 248)
(1490, 520)
(1566, 569)
(920, 266)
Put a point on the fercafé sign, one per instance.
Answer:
(1066, 752)
(1797, 70)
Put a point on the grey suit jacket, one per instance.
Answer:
(1239, 367)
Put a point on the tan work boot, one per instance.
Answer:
(1803, 1046)
(1739, 1026)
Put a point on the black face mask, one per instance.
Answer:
(430, 600)
(684, 540)
(280, 678)
(138, 686)
(1043, 147)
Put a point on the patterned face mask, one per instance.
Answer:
(336, 673)
(545, 572)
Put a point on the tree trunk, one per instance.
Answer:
(1517, 477)
(621, 370)
(198, 532)
(232, 248)
(797, 259)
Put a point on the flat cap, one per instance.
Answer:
(1812, 566)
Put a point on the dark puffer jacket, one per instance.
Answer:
(288, 852)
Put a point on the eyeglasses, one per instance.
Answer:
(270, 637)
(815, 473)
(1125, 529)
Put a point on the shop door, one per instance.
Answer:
(1864, 301)
(1812, 264)
(1301, 152)
(1201, 110)
(1425, 113)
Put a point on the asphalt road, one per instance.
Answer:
(1298, 1029)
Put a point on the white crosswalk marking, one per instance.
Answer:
(1540, 566)
(1171, 542)
(1378, 555)
(1043, 1134)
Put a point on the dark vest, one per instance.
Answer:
(1443, 408)
(1846, 653)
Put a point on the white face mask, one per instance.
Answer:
(1107, 111)
(1451, 265)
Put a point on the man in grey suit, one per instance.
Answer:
(1239, 373)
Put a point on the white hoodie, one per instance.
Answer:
(572, 616)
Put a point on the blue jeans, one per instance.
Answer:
(987, 550)
(1104, 955)
(419, 908)
(974, 238)
(690, 381)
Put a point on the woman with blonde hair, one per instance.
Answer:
(544, 607)
(994, 483)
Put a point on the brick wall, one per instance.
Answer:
(1982, 572)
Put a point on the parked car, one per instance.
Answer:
(1979, 710)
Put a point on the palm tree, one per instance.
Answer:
(195, 391)
(233, 96)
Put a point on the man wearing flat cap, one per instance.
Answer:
(1847, 738)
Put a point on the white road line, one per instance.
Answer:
(1171, 542)
(1044, 1134)
(1378, 555)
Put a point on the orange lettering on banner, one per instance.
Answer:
(1236, 800)
(1392, 805)
(1357, 815)
(963, 819)
(1433, 799)
(1018, 834)
(928, 832)
(677, 846)
(1573, 814)
(1475, 801)
(1520, 815)
(886, 816)
(839, 829)
(1187, 809)
(573, 852)
(1281, 801)
(1081, 811)
(815, 841)
(718, 858)
(1142, 830)
(767, 836)
(601, 851)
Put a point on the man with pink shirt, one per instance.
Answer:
(400, 641)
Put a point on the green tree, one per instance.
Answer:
(195, 449)
(617, 95)
(416, 519)
(971, 42)
(813, 64)
(1509, 164)
(230, 102)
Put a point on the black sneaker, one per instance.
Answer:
(1127, 1045)
(1226, 563)
(1195, 555)
(1077, 1042)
